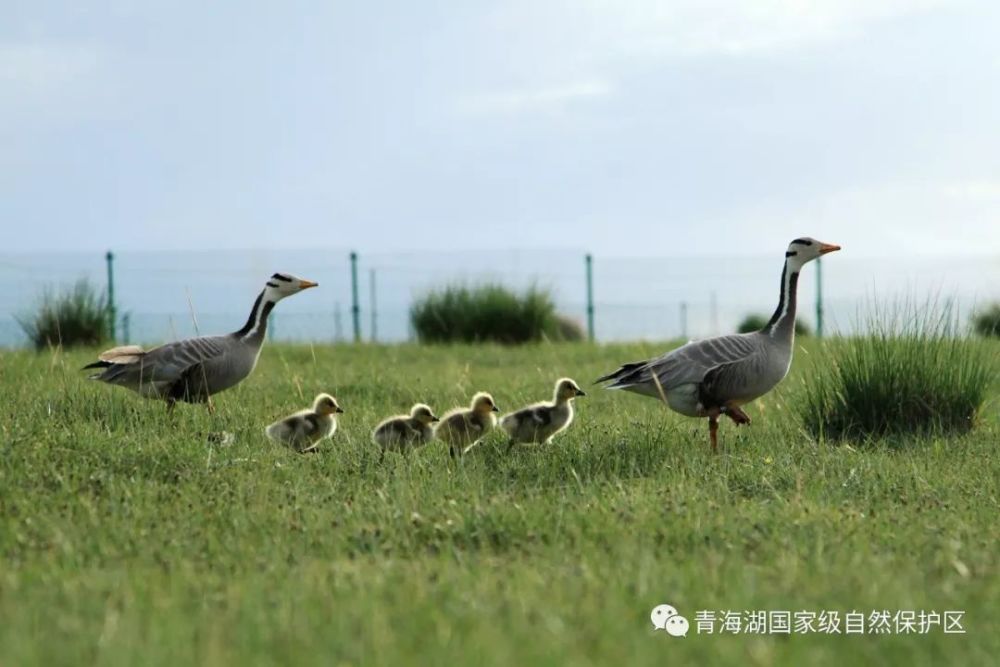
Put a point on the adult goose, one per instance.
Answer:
(716, 376)
(194, 369)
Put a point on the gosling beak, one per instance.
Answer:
(339, 411)
(828, 247)
(435, 419)
(495, 409)
(581, 392)
(306, 284)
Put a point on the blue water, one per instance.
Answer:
(170, 295)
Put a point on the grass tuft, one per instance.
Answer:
(986, 322)
(73, 317)
(914, 373)
(464, 314)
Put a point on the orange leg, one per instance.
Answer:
(737, 415)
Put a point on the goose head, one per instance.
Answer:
(807, 249)
(281, 285)
(423, 414)
(567, 390)
(325, 404)
(483, 403)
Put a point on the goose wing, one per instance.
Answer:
(172, 361)
(687, 364)
(165, 364)
(300, 426)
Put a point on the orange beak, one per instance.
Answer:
(306, 284)
(828, 247)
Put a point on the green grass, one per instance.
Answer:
(76, 316)
(986, 322)
(912, 374)
(489, 313)
(126, 540)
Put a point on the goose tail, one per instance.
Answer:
(623, 377)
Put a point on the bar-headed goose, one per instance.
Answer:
(404, 432)
(462, 427)
(715, 376)
(194, 369)
(541, 421)
(304, 430)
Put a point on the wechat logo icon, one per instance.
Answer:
(665, 617)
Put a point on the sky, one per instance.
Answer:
(625, 127)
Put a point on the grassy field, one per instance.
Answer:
(126, 539)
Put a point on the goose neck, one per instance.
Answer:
(256, 325)
(782, 322)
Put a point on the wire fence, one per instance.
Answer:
(162, 296)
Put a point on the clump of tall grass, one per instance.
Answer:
(986, 322)
(460, 313)
(912, 372)
(71, 317)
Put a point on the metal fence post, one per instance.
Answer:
(355, 307)
(371, 303)
(590, 297)
(819, 297)
(110, 259)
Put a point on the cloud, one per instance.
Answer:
(572, 32)
(978, 191)
(42, 83)
(555, 98)
(40, 67)
(740, 28)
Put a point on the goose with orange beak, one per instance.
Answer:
(194, 369)
(716, 376)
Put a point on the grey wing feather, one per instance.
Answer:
(168, 363)
(690, 363)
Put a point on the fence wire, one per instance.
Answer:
(159, 295)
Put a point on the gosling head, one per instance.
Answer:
(281, 285)
(423, 414)
(325, 404)
(567, 390)
(483, 403)
(807, 249)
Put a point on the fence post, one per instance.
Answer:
(590, 297)
(819, 297)
(127, 328)
(355, 307)
(110, 259)
(371, 303)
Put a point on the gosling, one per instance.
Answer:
(538, 423)
(461, 428)
(304, 430)
(406, 432)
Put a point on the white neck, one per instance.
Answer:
(786, 299)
